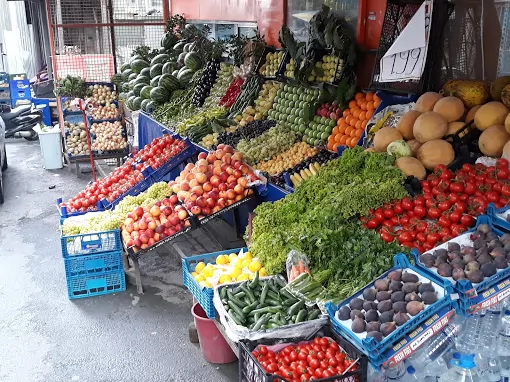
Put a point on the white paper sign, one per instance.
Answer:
(405, 60)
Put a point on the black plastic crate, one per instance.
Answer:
(250, 370)
(465, 145)
(397, 15)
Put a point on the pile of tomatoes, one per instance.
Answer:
(448, 206)
(158, 152)
(321, 358)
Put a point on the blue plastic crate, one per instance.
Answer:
(465, 288)
(204, 296)
(498, 216)
(370, 346)
(89, 265)
(91, 243)
(88, 286)
(173, 162)
(62, 211)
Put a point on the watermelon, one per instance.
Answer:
(193, 61)
(146, 72)
(125, 67)
(169, 82)
(181, 58)
(160, 59)
(134, 58)
(144, 104)
(179, 47)
(150, 106)
(138, 65)
(168, 40)
(175, 73)
(132, 76)
(130, 94)
(125, 87)
(137, 103)
(160, 94)
(187, 48)
(146, 92)
(156, 70)
(122, 95)
(132, 84)
(138, 88)
(168, 67)
(142, 80)
(185, 76)
(117, 79)
(155, 81)
(126, 74)
(130, 102)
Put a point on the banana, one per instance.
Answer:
(312, 169)
(298, 178)
(308, 172)
(317, 166)
(303, 174)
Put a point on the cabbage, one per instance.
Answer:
(399, 149)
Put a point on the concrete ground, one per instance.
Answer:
(113, 338)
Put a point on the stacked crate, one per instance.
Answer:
(93, 264)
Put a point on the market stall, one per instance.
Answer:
(376, 225)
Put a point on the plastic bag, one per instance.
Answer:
(297, 264)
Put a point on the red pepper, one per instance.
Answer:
(231, 94)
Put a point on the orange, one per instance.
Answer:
(348, 130)
(364, 105)
(348, 120)
(370, 113)
(341, 122)
(352, 104)
(330, 146)
(376, 98)
(346, 112)
(370, 105)
(362, 116)
(343, 141)
(358, 133)
(338, 137)
(331, 139)
(364, 124)
(369, 96)
(335, 146)
(352, 142)
(335, 130)
(359, 102)
(358, 124)
(342, 128)
(353, 133)
(356, 113)
(377, 102)
(359, 95)
(353, 122)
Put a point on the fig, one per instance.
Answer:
(386, 317)
(505, 238)
(458, 263)
(344, 313)
(410, 287)
(383, 296)
(475, 235)
(412, 297)
(369, 294)
(484, 259)
(373, 326)
(488, 269)
(475, 276)
(484, 228)
(453, 246)
(375, 335)
(495, 244)
(400, 307)
(428, 260)
(398, 296)
(357, 313)
(467, 250)
(356, 303)
(395, 286)
(491, 236)
(507, 247)
(472, 265)
(429, 298)
(400, 318)
(482, 251)
(409, 277)
(440, 252)
(454, 255)
(458, 273)
(387, 328)
(381, 285)
(369, 305)
(426, 287)
(500, 262)
(469, 257)
(498, 251)
(445, 270)
(372, 315)
(384, 306)
(414, 307)
(358, 325)
(395, 275)
(441, 260)
(479, 243)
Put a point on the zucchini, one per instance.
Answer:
(300, 316)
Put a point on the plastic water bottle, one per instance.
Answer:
(493, 373)
(395, 373)
(375, 374)
(411, 375)
(490, 327)
(503, 345)
(463, 370)
(469, 342)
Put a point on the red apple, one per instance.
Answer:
(227, 158)
(151, 241)
(243, 182)
(223, 176)
(221, 146)
(196, 210)
(138, 242)
(183, 215)
(193, 183)
(174, 220)
(185, 186)
(244, 169)
(210, 202)
(228, 149)
(160, 228)
(239, 190)
(138, 211)
(223, 194)
(222, 187)
(130, 243)
(155, 210)
(190, 177)
(211, 158)
(231, 179)
(144, 239)
(219, 153)
(201, 201)
(143, 225)
(201, 178)
(237, 173)
(131, 215)
(239, 197)
(236, 164)
(174, 199)
(231, 195)
(206, 211)
(216, 209)
(189, 167)
(151, 225)
(207, 186)
(222, 202)
(178, 227)
(150, 233)
(202, 155)
(197, 190)
(214, 195)
(157, 237)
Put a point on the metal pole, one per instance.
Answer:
(112, 35)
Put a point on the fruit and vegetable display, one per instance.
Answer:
(223, 79)
(226, 269)
(290, 68)
(249, 131)
(261, 304)
(76, 139)
(272, 64)
(264, 147)
(389, 303)
(449, 205)
(199, 121)
(100, 94)
(205, 83)
(108, 136)
(315, 219)
(309, 167)
(263, 104)
(287, 159)
(328, 69)
(231, 93)
(70, 86)
(313, 360)
(249, 91)
(215, 181)
(158, 152)
(107, 111)
(473, 256)
(354, 120)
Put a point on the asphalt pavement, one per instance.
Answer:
(113, 338)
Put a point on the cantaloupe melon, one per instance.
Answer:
(497, 87)
(411, 167)
(384, 137)
(470, 116)
(453, 127)
(507, 123)
(427, 101)
(428, 126)
(435, 152)
(490, 114)
(406, 123)
(414, 145)
(451, 108)
(506, 151)
(492, 140)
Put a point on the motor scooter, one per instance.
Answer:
(20, 121)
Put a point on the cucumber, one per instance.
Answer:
(255, 281)
(267, 309)
(262, 321)
(273, 295)
(270, 301)
(234, 299)
(286, 294)
(240, 295)
(249, 294)
(290, 302)
(280, 282)
(237, 310)
(313, 314)
(264, 293)
(294, 309)
(249, 308)
(300, 317)
(302, 277)
(272, 325)
(223, 293)
(310, 287)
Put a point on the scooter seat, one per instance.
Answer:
(16, 112)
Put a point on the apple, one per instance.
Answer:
(187, 223)
(215, 181)
(189, 167)
(138, 242)
(243, 182)
(190, 177)
(202, 155)
(230, 170)
(129, 221)
(155, 210)
(230, 202)
(221, 146)
(223, 176)
(228, 149)
(200, 169)
(217, 171)
(231, 195)
(201, 178)
(219, 153)
(333, 116)
(236, 164)
(160, 228)
(196, 210)
(151, 242)
(214, 195)
(150, 233)
(216, 209)
(131, 215)
(239, 197)
(206, 211)
(144, 246)
(197, 190)
(185, 186)
(151, 225)
(201, 201)
(231, 179)
(129, 228)
(158, 203)
(237, 156)
(157, 237)
(178, 208)
(144, 238)
(193, 183)
(238, 189)
(244, 169)
(138, 211)
(211, 158)
(174, 220)
(237, 173)
(232, 185)
(183, 215)
(174, 199)
(223, 194)
(136, 226)
(222, 202)
(207, 186)
(217, 163)
(183, 195)
(227, 158)
(130, 243)
(176, 188)
(143, 225)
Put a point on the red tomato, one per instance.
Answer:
(420, 211)
(467, 220)
(443, 221)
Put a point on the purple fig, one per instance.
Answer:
(498, 251)
(415, 307)
(444, 270)
(468, 250)
(458, 273)
(453, 246)
(484, 228)
(472, 266)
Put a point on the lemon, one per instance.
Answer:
(225, 279)
(232, 256)
(262, 272)
(239, 265)
(200, 266)
(254, 266)
(246, 263)
(194, 274)
(200, 278)
(235, 272)
(248, 256)
(207, 284)
(242, 277)
(221, 260)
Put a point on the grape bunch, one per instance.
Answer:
(251, 130)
